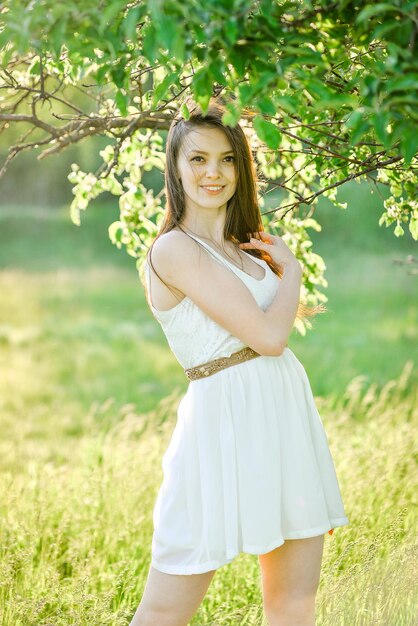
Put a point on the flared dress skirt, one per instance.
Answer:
(248, 466)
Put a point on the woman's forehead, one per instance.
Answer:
(206, 139)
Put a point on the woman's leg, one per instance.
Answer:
(171, 599)
(290, 578)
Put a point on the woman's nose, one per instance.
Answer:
(212, 169)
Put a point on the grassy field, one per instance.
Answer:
(88, 397)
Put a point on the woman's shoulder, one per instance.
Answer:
(171, 241)
(171, 250)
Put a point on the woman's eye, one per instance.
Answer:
(229, 159)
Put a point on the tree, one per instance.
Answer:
(328, 92)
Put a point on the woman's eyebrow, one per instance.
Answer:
(203, 152)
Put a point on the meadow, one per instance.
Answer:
(88, 398)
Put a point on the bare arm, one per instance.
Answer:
(217, 291)
(282, 311)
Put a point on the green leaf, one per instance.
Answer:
(129, 23)
(168, 31)
(58, 35)
(267, 132)
(246, 92)
(185, 111)
(266, 106)
(179, 48)
(202, 88)
(215, 71)
(34, 67)
(387, 30)
(161, 90)
(334, 101)
(118, 73)
(359, 132)
(238, 57)
(281, 84)
(288, 103)
(122, 100)
(380, 120)
(318, 89)
(376, 9)
(102, 72)
(150, 44)
(402, 83)
(231, 116)
(413, 227)
(398, 232)
(354, 120)
(115, 231)
(231, 30)
(409, 143)
(383, 219)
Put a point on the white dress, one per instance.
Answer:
(248, 464)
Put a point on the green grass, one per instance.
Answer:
(88, 395)
(76, 533)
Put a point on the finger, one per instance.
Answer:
(258, 243)
(265, 236)
(253, 243)
(245, 245)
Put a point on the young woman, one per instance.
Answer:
(248, 468)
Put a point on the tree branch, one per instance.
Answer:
(311, 198)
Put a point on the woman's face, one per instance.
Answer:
(206, 168)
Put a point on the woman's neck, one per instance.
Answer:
(214, 235)
(209, 224)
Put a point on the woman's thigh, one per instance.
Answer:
(292, 570)
(171, 599)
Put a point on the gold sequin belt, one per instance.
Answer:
(206, 369)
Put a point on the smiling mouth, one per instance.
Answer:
(213, 187)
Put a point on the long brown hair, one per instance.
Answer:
(243, 218)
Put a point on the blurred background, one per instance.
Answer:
(73, 301)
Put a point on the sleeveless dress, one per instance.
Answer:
(248, 465)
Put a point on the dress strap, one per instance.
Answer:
(237, 270)
(213, 251)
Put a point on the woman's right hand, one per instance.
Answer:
(274, 245)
